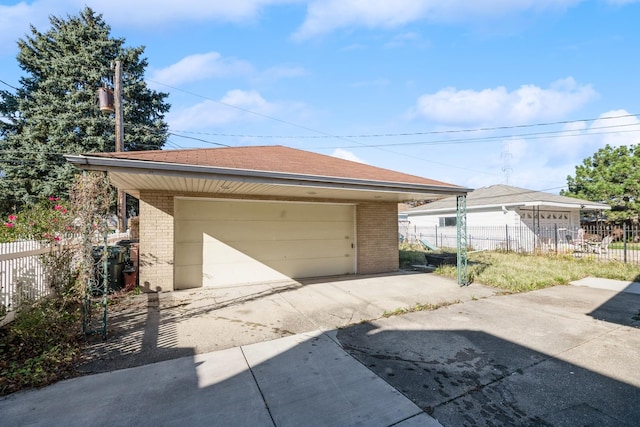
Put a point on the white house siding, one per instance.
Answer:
(489, 229)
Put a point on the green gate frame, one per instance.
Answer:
(461, 234)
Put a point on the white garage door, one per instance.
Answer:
(224, 243)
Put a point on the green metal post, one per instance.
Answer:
(461, 222)
(105, 280)
(87, 307)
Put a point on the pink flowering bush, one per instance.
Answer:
(46, 221)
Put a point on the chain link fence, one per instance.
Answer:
(606, 242)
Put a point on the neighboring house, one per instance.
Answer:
(228, 216)
(500, 216)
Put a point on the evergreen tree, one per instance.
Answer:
(612, 176)
(55, 110)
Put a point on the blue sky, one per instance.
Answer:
(471, 93)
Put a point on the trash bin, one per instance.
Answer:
(127, 244)
(130, 277)
(115, 267)
(130, 263)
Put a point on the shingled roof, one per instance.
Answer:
(276, 158)
(506, 195)
(260, 171)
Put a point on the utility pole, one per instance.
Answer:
(122, 196)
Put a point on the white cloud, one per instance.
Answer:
(236, 107)
(15, 19)
(201, 67)
(324, 16)
(498, 106)
(616, 128)
(212, 65)
(545, 163)
(281, 72)
(346, 155)
(154, 12)
(14, 23)
(580, 140)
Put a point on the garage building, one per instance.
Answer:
(229, 216)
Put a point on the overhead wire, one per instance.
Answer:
(533, 135)
(438, 132)
(384, 146)
(7, 84)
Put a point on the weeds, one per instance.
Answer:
(513, 272)
(411, 254)
(419, 307)
(40, 346)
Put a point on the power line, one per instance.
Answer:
(7, 84)
(440, 132)
(246, 110)
(533, 135)
(199, 139)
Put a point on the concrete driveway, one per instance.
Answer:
(563, 356)
(160, 326)
(292, 354)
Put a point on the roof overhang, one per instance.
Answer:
(136, 176)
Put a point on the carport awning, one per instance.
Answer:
(260, 171)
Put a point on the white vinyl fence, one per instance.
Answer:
(21, 272)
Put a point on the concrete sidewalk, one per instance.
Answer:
(301, 380)
(609, 284)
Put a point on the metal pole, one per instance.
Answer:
(122, 197)
(461, 228)
(624, 241)
(506, 235)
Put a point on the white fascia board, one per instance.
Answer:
(246, 175)
(469, 209)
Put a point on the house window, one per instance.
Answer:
(447, 221)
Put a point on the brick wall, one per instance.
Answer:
(377, 233)
(156, 241)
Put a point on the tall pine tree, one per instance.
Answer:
(55, 111)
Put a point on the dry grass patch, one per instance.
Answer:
(514, 272)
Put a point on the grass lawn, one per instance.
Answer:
(620, 245)
(514, 272)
